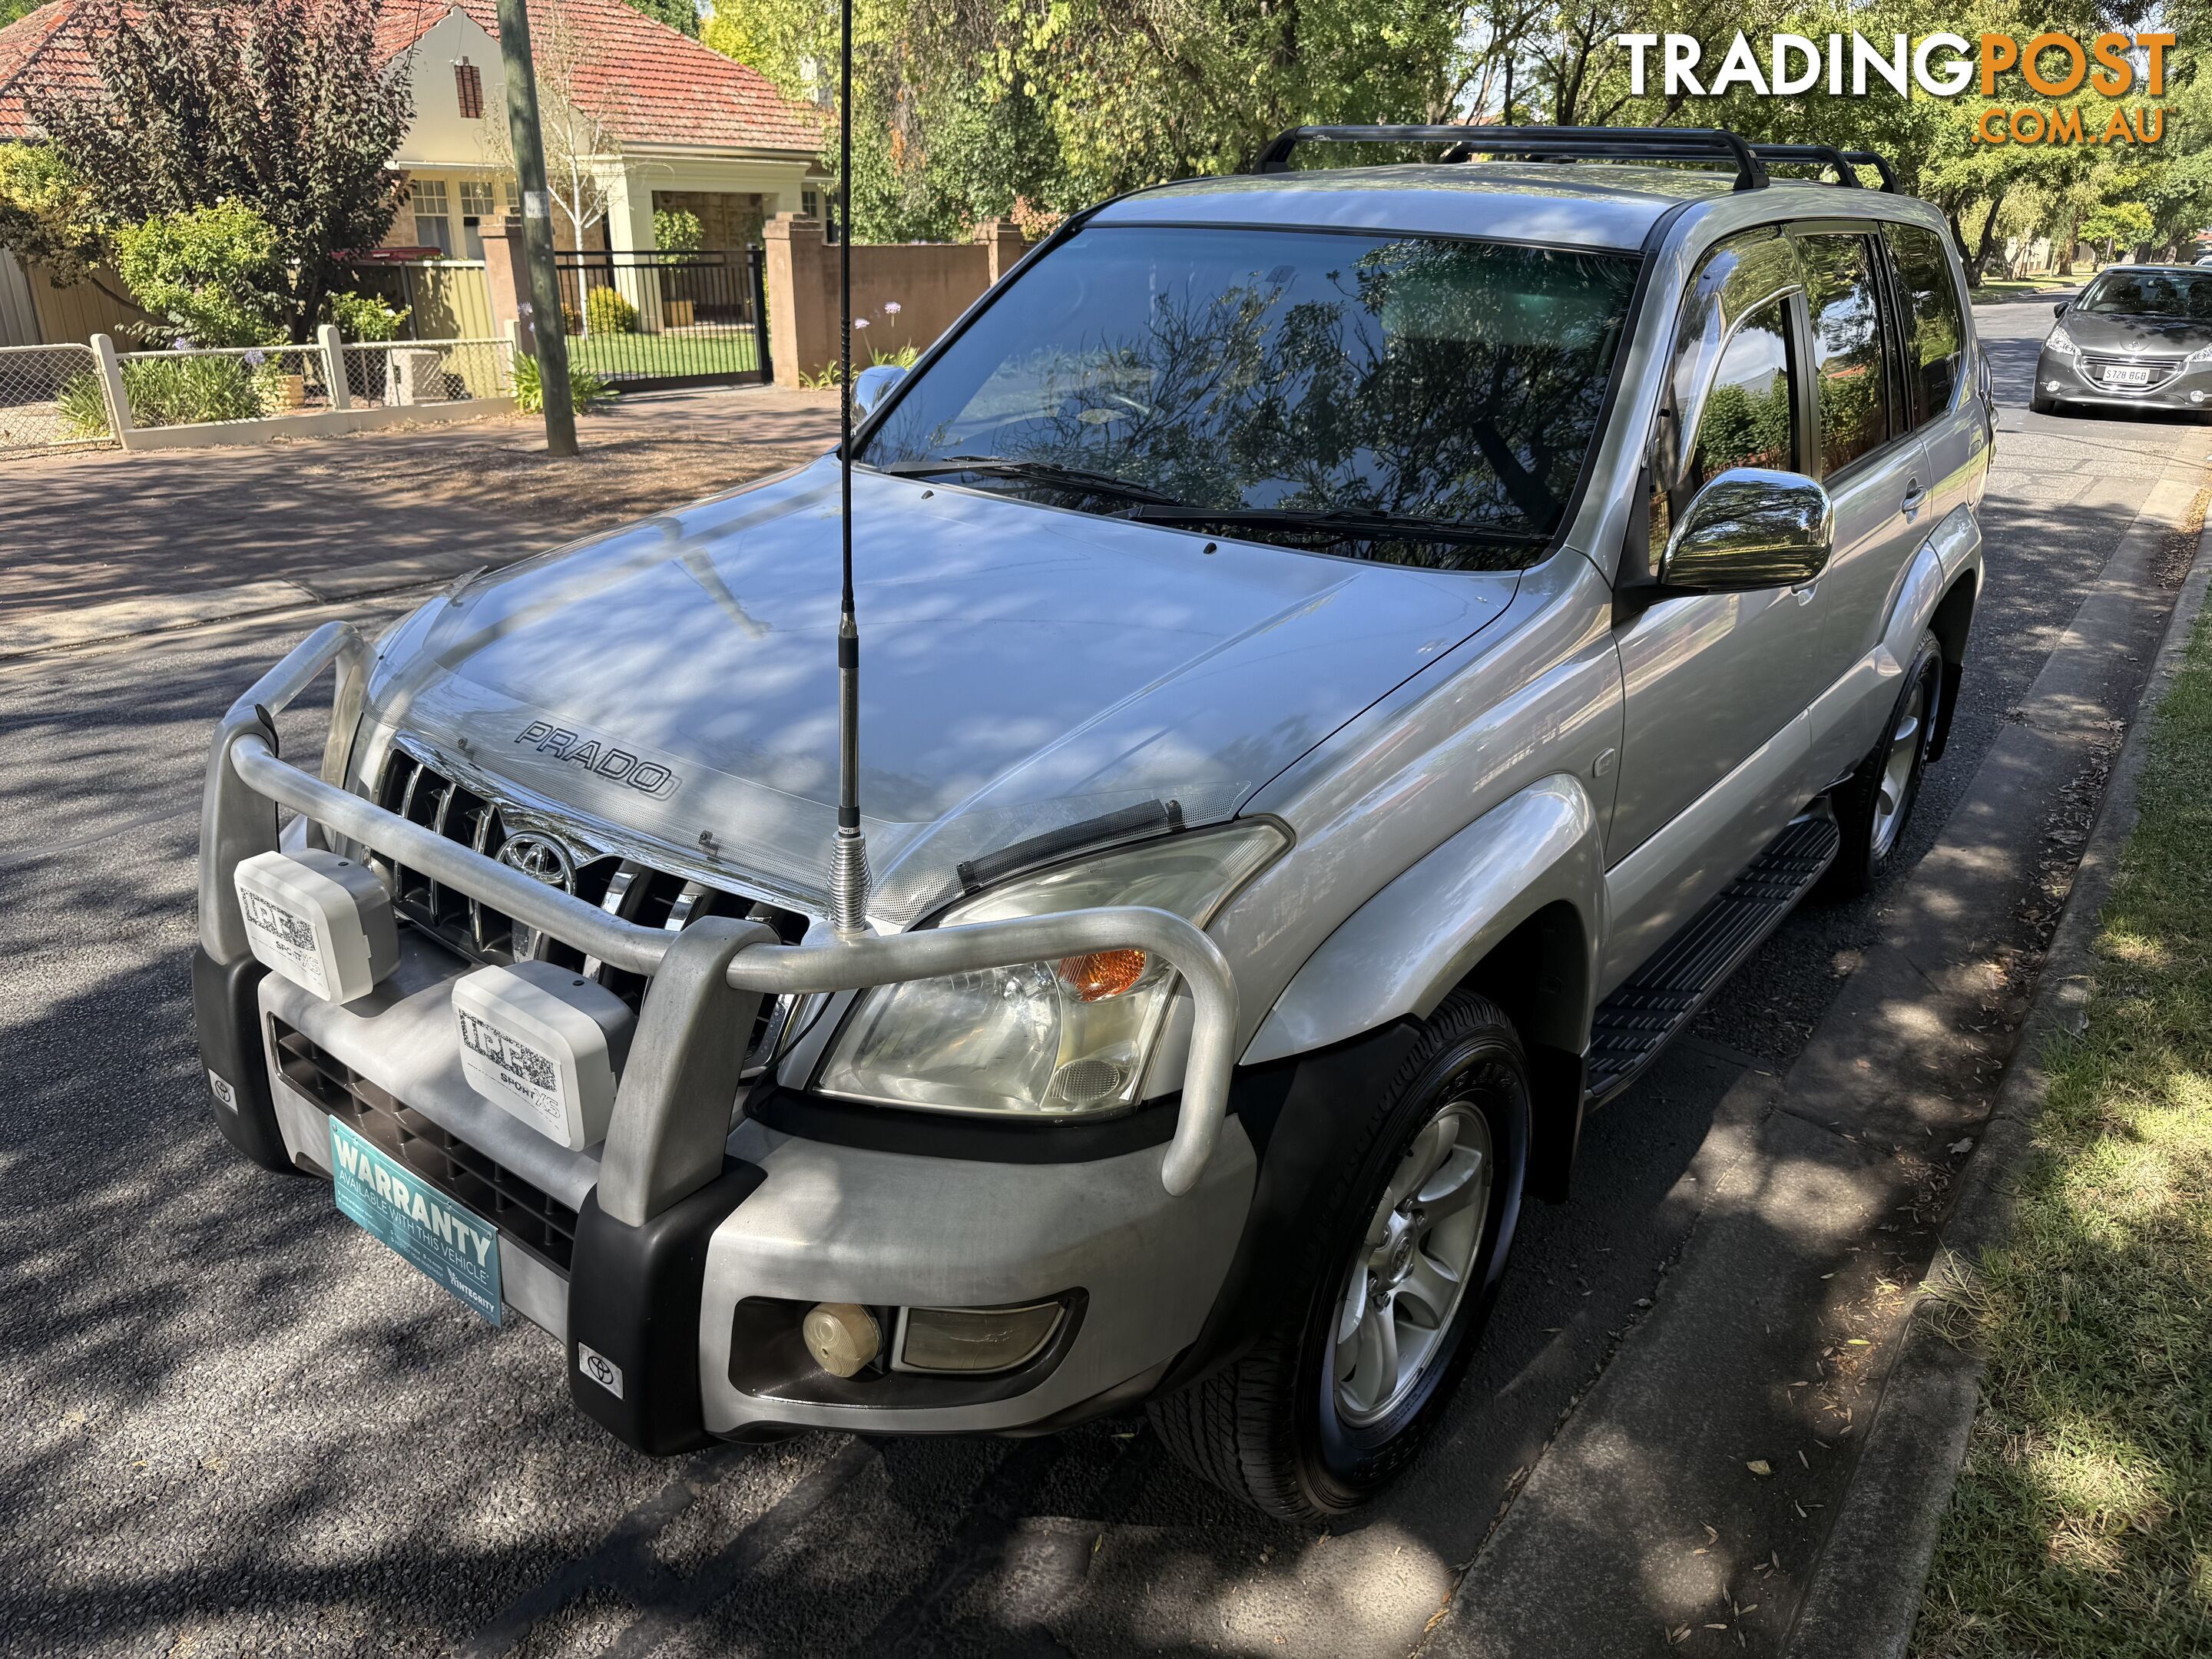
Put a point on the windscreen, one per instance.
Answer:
(2185, 295)
(1419, 399)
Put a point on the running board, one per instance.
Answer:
(1635, 1023)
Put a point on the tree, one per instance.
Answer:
(213, 275)
(576, 109)
(681, 16)
(47, 213)
(279, 106)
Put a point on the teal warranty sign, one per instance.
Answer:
(457, 1247)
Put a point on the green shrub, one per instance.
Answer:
(588, 392)
(83, 405)
(183, 389)
(606, 312)
(675, 230)
(213, 275)
(363, 317)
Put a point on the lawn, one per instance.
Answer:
(617, 356)
(2082, 1522)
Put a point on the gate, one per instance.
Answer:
(642, 319)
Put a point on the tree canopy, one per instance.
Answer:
(971, 109)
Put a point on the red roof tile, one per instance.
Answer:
(655, 85)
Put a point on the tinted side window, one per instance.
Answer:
(1934, 332)
(1750, 415)
(1849, 366)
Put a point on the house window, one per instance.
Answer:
(478, 204)
(434, 223)
(468, 89)
(809, 201)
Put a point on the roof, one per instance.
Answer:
(1578, 204)
(656, 86)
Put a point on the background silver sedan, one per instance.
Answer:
(2138, 335)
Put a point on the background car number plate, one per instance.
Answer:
(456, 1247)
(2125, 376)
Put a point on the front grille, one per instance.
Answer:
(418, 792)
(2096, 364)
(521, 1210)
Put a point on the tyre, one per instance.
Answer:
(2044, 404)
(1872, 805)
(1408, 1247)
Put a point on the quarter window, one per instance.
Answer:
(1850, 366)
(1750, 415)
(1935, 331)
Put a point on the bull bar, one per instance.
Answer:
(672, 1105)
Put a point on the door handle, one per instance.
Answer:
(1914, 495)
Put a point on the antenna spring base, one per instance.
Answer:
(848, 885)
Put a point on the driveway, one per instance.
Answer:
(242, 1427)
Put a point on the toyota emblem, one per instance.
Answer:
(542, 859)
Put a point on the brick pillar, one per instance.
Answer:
(802, 300)
(507, 274)
(1002, 244)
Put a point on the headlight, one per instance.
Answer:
(2060, 342)
(1048, 1039)
(2202, 355)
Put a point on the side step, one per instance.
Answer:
(1631, 1025)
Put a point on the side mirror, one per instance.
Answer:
(873, 384)
(1751, 528)
(2059, 309)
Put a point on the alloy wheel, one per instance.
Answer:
(1410, 1273)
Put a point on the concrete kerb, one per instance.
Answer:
(1864, 1599)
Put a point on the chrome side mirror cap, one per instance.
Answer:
(873, 384)
(1751, 528)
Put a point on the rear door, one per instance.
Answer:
(1874, 463)
(1953, 424)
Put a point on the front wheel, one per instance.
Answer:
(1872, 805)
(1409, 1244)
(2042, 403)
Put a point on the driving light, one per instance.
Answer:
(1063, 1039)
(2060, 342)
(321, 920)
(975, 1338)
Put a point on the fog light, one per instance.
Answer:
(2196, 397)
(975, 1339)
(2050, 386)
(842, 1336)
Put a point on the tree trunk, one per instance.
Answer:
(1980, 267)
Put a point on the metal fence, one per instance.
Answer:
(648, 319)
(225, 383)
(51, 400)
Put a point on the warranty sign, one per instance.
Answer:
(456, 1247)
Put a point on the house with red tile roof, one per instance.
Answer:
(662, 121)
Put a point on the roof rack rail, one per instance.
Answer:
(1592, 144)
(1846, 162)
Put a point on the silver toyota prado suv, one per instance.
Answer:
(1354, 658)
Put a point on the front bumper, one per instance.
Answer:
(684, 1248)
(2075, 379)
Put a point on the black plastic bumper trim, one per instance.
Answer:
(227, 1012)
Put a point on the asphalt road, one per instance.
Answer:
(241, 1426)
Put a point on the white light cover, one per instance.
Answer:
(544, 1042)
(321, 920)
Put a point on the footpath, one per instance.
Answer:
(105, 546)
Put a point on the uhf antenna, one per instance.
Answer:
(848, 866)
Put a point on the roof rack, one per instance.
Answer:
(1591, 143)
(1846, 162)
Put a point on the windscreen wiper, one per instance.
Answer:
(1365, 526)
(1074, 478)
